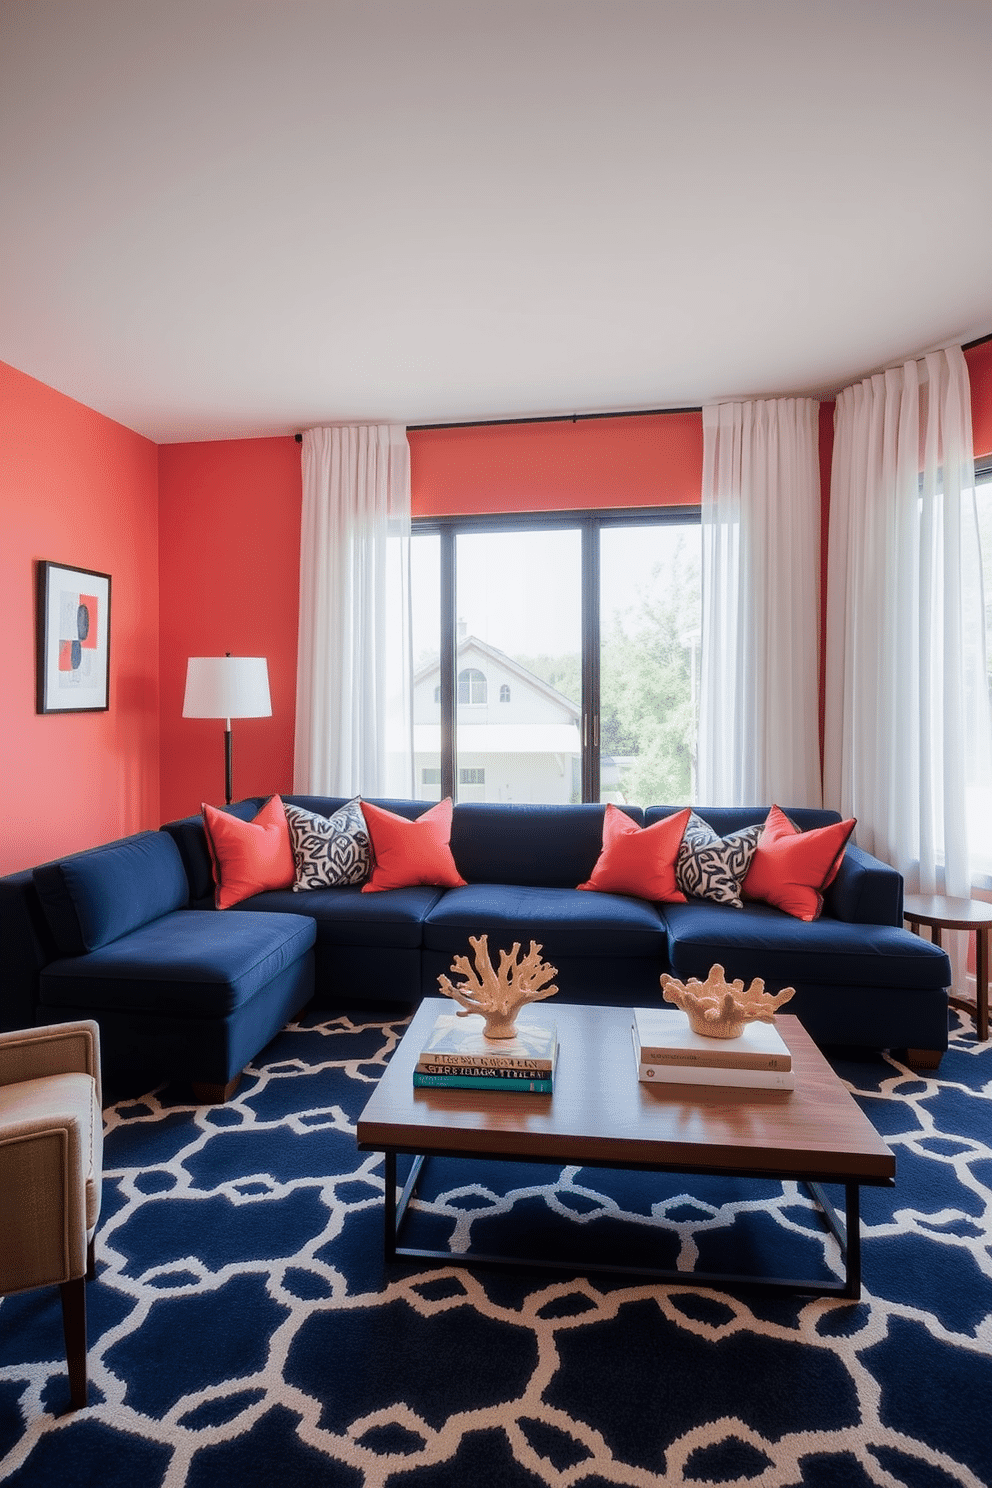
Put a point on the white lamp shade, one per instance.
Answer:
(227, 687)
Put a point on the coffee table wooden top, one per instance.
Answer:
(601, 1114)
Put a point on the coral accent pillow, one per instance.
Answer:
(790, 869)
(249, 857)
(411, 852)
(639, 860)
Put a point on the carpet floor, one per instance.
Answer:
(243, 1329)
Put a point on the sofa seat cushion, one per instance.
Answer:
(759, 941)
(194, 962)
(94, 897)
(347, 917)
(565, 921)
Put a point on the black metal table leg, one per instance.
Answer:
(848, 1235)
(853, 1240)
(389, 1217)
(395, 1210)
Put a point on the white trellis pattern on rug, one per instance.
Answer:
(274, 1233)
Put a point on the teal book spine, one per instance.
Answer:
(480, 1082)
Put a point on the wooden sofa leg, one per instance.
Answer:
(214, 1095)
(924, 1059)
(91, 1260)
(74, 1328)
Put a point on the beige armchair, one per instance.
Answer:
(51, 1171)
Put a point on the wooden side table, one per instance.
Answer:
(958, 914)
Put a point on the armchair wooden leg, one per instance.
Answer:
(91, 1260)
(74, 1327)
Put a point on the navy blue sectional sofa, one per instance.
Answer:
(128, 935)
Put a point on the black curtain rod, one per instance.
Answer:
(548, 418)
(978, 341)
(553, 418)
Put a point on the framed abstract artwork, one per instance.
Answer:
(73, 639)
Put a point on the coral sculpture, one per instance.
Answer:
(499, 994)
(720, 1009)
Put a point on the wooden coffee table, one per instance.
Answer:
(600, 1115)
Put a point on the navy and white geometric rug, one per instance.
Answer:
(244, 1331)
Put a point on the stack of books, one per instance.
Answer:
(458, 1056)
(667, 1050)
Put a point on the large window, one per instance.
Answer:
(556, 658)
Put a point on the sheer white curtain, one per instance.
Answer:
(907, 718)
(354, 732)
(759, 683)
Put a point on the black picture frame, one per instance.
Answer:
(72, 638)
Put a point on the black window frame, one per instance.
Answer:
(591, 523)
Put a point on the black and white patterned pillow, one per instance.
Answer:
(712, 867)
(330, 851)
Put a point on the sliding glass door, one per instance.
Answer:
(556, 658)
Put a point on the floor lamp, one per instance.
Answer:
(227, 687)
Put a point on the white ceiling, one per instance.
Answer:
(223, 219)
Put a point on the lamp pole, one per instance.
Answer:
(228, 758)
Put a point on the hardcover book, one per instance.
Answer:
(480, 1071)
(711, 1074)
(522, 1086)
(459, 1041)
(663, 1036)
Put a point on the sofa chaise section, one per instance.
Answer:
(178, 994)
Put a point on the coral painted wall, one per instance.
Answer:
(650, 460)
(75, 488)
(229, 556)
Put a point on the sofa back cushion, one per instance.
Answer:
(535, 846)
(95, 897)
(724, 819)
